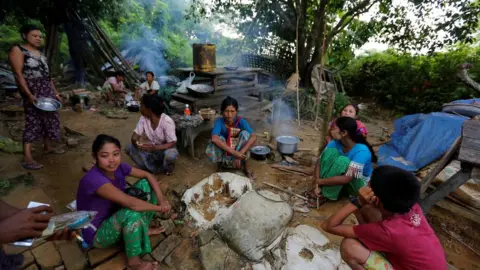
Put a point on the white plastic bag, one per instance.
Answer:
(253, 223)
(182, 89)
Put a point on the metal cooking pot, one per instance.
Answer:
(287, 145)
(259, 152)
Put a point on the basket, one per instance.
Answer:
(207, 113)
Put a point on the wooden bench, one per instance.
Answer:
(468, 148)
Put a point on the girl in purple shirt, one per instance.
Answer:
(120, 216)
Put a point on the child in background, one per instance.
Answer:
(350, 110)
(393, 232)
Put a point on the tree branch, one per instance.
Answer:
(362, 7)
(317, 28)
(284, 16)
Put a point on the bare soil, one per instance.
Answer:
(61, 174)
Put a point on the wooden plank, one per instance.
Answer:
(220, 71)
(469, 155)
(471, 143)
(443, 162)
(444, 189)
(459, 210)
(471, 129)
(235, 86)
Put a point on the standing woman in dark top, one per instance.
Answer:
(31, 73)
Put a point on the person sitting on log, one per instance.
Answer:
(350, 110)
(232, 138)
(150, 86)
(122, 214)
(159, 153)
(345, 162)
(393, 232)
(114, 89)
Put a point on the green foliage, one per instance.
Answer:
(409, 83)
(6, 185)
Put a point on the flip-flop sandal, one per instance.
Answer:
(31, 166)
(57, 151)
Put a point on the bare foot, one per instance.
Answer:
(143, 265)
(249, 174)
(155, 231)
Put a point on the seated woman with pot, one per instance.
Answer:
(346, 162)
(158, 153)
(232, 138)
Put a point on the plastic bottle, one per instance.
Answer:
(186, 112)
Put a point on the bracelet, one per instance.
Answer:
(354, 201)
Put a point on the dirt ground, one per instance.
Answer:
(61, 174)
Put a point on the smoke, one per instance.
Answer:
(147, 50)
(280, 117)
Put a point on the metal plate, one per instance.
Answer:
(260, 150)
(48, 104)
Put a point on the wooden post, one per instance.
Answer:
(444, 189)
(275, 120)
(326, 119)
(443, 162)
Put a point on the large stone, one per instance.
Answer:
(179, 189)
(47, 256)
(27, 259)
(99, 255)
(178, 254)
(217, 256)
(168, 225)
(73, 258)
(118, 262)
(166, 247)
(71, 142)
(155, 240)
(32, 267)
(204, 237)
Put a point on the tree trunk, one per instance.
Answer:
(52, 45)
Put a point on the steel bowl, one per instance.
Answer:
(200, 90)
(287, 145)
(231, 68)
(48, 104)
(259, 152)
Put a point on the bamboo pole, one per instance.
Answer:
(298, 75)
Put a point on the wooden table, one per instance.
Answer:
(188, 134)
(234, 83)
(468, 148)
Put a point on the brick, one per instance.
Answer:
(27, 259)
(32, 267)
(204, 237)
(215, 255)
(166, 247)
(73, 258)
(47, 256)
(118, 262)
(148, 258)
(99, 255)
(11, 249)
(168, 225)
(178, 254)
(155, 240)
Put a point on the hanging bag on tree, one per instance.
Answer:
(182, 89)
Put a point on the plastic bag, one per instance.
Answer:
(182, 89)
(255, 221)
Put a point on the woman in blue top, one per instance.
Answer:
(232, 137)
(345, 162)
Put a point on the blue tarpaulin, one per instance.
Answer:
(420, 139)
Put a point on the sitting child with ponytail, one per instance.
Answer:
(350, 110)
(346, 161)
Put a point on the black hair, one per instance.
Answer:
(229, 101)
(397, 189)
(355, 106)
(27, 28)
(101, 140)
(151, 73)
(350, 125)
(120, 73)
(154, 103)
